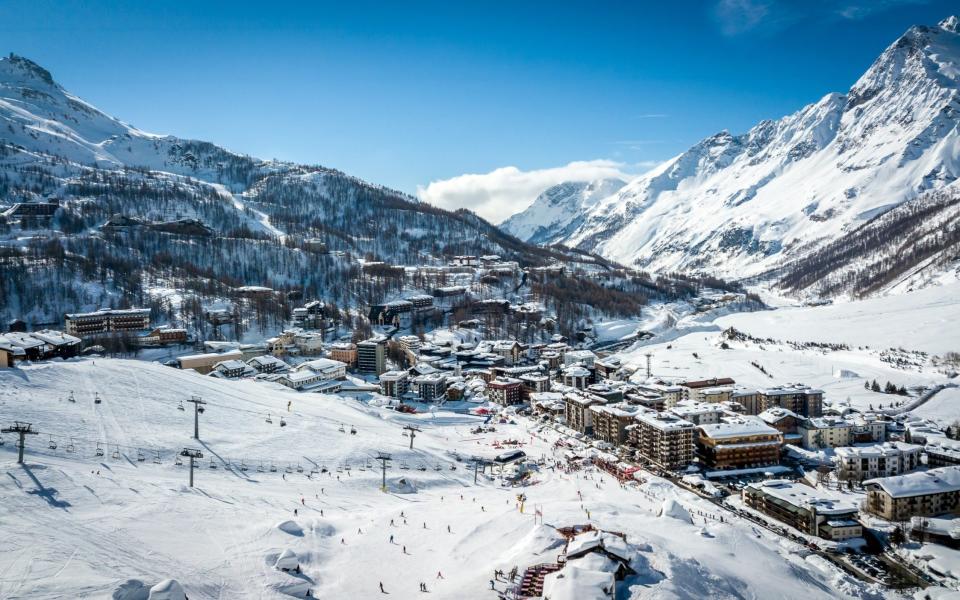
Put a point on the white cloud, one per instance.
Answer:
(508, 190)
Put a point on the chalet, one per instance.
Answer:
(784, 421)
(9, 353)
(33, 348)
(162, 336)
(231, 369)
(268, 364)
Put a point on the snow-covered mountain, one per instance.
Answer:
(738, 205)
(257, 213)
(559, 210)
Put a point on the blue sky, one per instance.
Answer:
(408, 93)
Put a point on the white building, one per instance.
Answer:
(824, 432)
(880, 460)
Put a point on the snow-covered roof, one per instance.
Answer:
(663, 421)
(740, 427)
(776, 413)
(56, 338)
(934, 481)
(825, 502)
(887, 449)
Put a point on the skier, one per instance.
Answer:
(289, 402)
(439, 575)
(404, 549)
(491, 584)
(391, 538)
(381, 588)
(448, 529)
(424, 524)
(294, 512)
(391, 523)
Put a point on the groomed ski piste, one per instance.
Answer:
(84, 526)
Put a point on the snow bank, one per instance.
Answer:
(287, 561)
(168, 589)
(291, 527)
(671, 508)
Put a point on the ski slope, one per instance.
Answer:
(77, 525)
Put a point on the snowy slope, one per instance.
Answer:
(739, 204)
(72, 532)
(558, 211)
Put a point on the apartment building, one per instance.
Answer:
(880, 460)
(505, 391)
(739, 443)
(800, 399)
(663, 439)
(692, 390)
(372, 356)
(920, 494)
(107, 321)
(345, 352)
(577, 411)
(610, 421)
(394, 383)
(824, 432)
(813, 511)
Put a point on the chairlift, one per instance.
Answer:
(346, 467)
(70, 447)
(362, 467)
(268, 419)
(403, 465)
(287, 469)
(116, 453)
(243, 466)
(299, 468)
(437, 467)
(324, 469)
(273, 468)
(180, 406)
(99, 451)
(339, 468)
(353, 430)
(282, 422)
(213, 465)
(156, 459)
(422, 467)
(140, 456)
(96, 398)
(52, 445)
(260, 468)
(314, 471)
(200, 409)
(341, 429)
(177, 461)
(70, 398)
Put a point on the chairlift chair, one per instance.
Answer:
(52, 445)
(324, 469)
(156, 458)
(99, 451)
(353, 430)
(299, 468)
(403, 465)
(243, 466)
(96, 398)
(346, 466)
(70, 398)
(116, 453)
(437, 467)
(268, 419)
(180, 406)
(260, 468)
(339, 468)
(140, 456)
(273, 468)
(213, 465)
(282, 422)
(287, 469)
(200, 409)
(341, 429)
(422, 468)
(177, 461)
(70, 447)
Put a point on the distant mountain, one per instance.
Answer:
(558, 211)
(741, 205)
